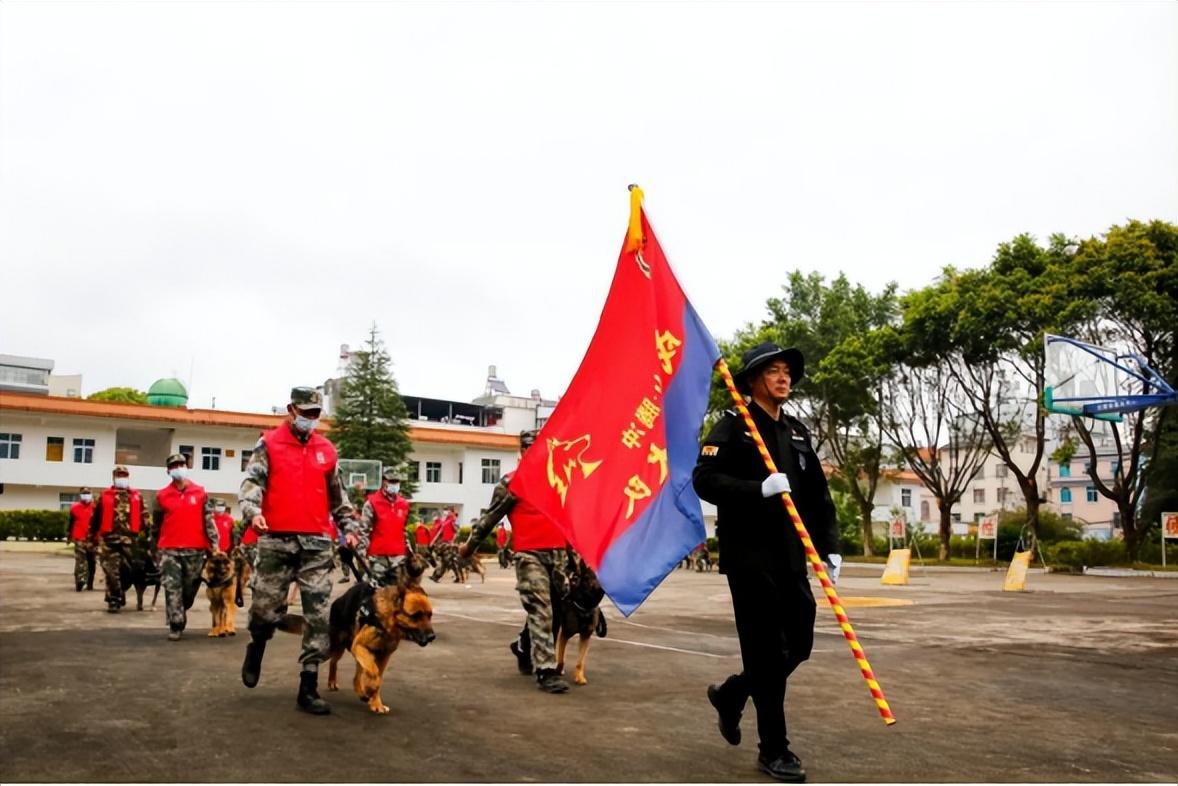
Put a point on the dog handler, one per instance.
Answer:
(80, 514)
(184, 533)
(119, 518)
(383, 537)
(540, 559)
(760, 551)
(290, 493)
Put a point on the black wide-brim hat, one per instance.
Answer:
(762, 354)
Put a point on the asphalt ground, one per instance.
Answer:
(1074, 680)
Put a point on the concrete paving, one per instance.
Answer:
(1074, 680)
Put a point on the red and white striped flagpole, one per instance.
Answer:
(819, 567)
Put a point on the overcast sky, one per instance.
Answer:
(226, 192)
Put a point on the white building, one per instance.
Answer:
(51, 446)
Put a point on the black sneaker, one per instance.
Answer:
(174, 634)
(786, 767)
(549, 681)
(523, 660)
(729, 722)
(78, 586)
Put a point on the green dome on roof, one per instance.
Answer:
(167, 393)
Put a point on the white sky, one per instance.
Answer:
(238, 188)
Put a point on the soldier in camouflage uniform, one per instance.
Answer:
(540, 560)
(291, 492)
(119, 519)
(85, 551)
(385, 541)
(184, 534)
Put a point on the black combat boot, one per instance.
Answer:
(309, 700)
(549, 681)
(78, 586)
(174, 632)
(786, 768)
(251, 668)
(523, 658)
(729, 717)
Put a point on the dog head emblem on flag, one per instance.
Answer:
(564, 458)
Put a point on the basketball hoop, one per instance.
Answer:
(1087, 380)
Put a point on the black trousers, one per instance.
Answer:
(774, 613)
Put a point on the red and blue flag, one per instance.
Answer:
(612, 466)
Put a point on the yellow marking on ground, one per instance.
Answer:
(867, 602)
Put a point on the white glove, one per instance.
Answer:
(833, 564)
(774, 485)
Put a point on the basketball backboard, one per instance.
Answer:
(1097, 382)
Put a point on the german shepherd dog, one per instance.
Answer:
(138, 569)
(220, 581)
(579, 615)
(448, 560)
(371, 623)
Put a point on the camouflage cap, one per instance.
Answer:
(176, 458)
(306, 398)
(120, 469)
(391, 475)
(527, 439)
(217, 502)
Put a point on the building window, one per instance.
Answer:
(9, 446)
(1065, 470)
(1000, 471)
(1066, 516)
(981, 473)
(459, 473)
(1090, 493)
(55, 449)
(490, 470)
(83, 451)
(1003, 495)
(245, 458)
(413, 471)
(66, 501)
(979, 496)
(1087, 467)
(433, 472)
(1065, 495)
(905, 498)
(1115, 467)
(210, 459)
(188, 452)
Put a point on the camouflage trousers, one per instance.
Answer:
(180, 576)
(385, 571)
(85, 554)
(113, 550)
(245, 555)
(283, 559)
(541, 582)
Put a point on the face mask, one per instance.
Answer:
(220, 508)
(122, 483)
(305, 425)
(86, 497)
(392, 489)
(179, 473)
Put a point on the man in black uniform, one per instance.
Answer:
(760, 551)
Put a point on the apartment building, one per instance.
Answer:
(50, 446)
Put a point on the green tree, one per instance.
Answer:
(370, 420)
(1131, 275)
(992, 322)
(119, 396)
(840, 396)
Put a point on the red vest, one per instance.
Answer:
(250, 536)
(295, 499)
(501, 537)
(80, 515)
(183, 526)
(388, 531)
(108, 510)
(422, 535)
(448, 530)
(531, 529)
(224, 524)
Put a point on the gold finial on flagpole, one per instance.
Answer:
(634, 238)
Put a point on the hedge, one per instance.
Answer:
(34, 524)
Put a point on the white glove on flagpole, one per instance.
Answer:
(774, 485)
(833, 564)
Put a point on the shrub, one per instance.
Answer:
(34, 524)
(1080, 553)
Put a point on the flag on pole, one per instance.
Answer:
(612, 466)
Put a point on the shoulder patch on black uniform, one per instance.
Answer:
(710, 450)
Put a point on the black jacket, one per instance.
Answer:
(756, 533)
